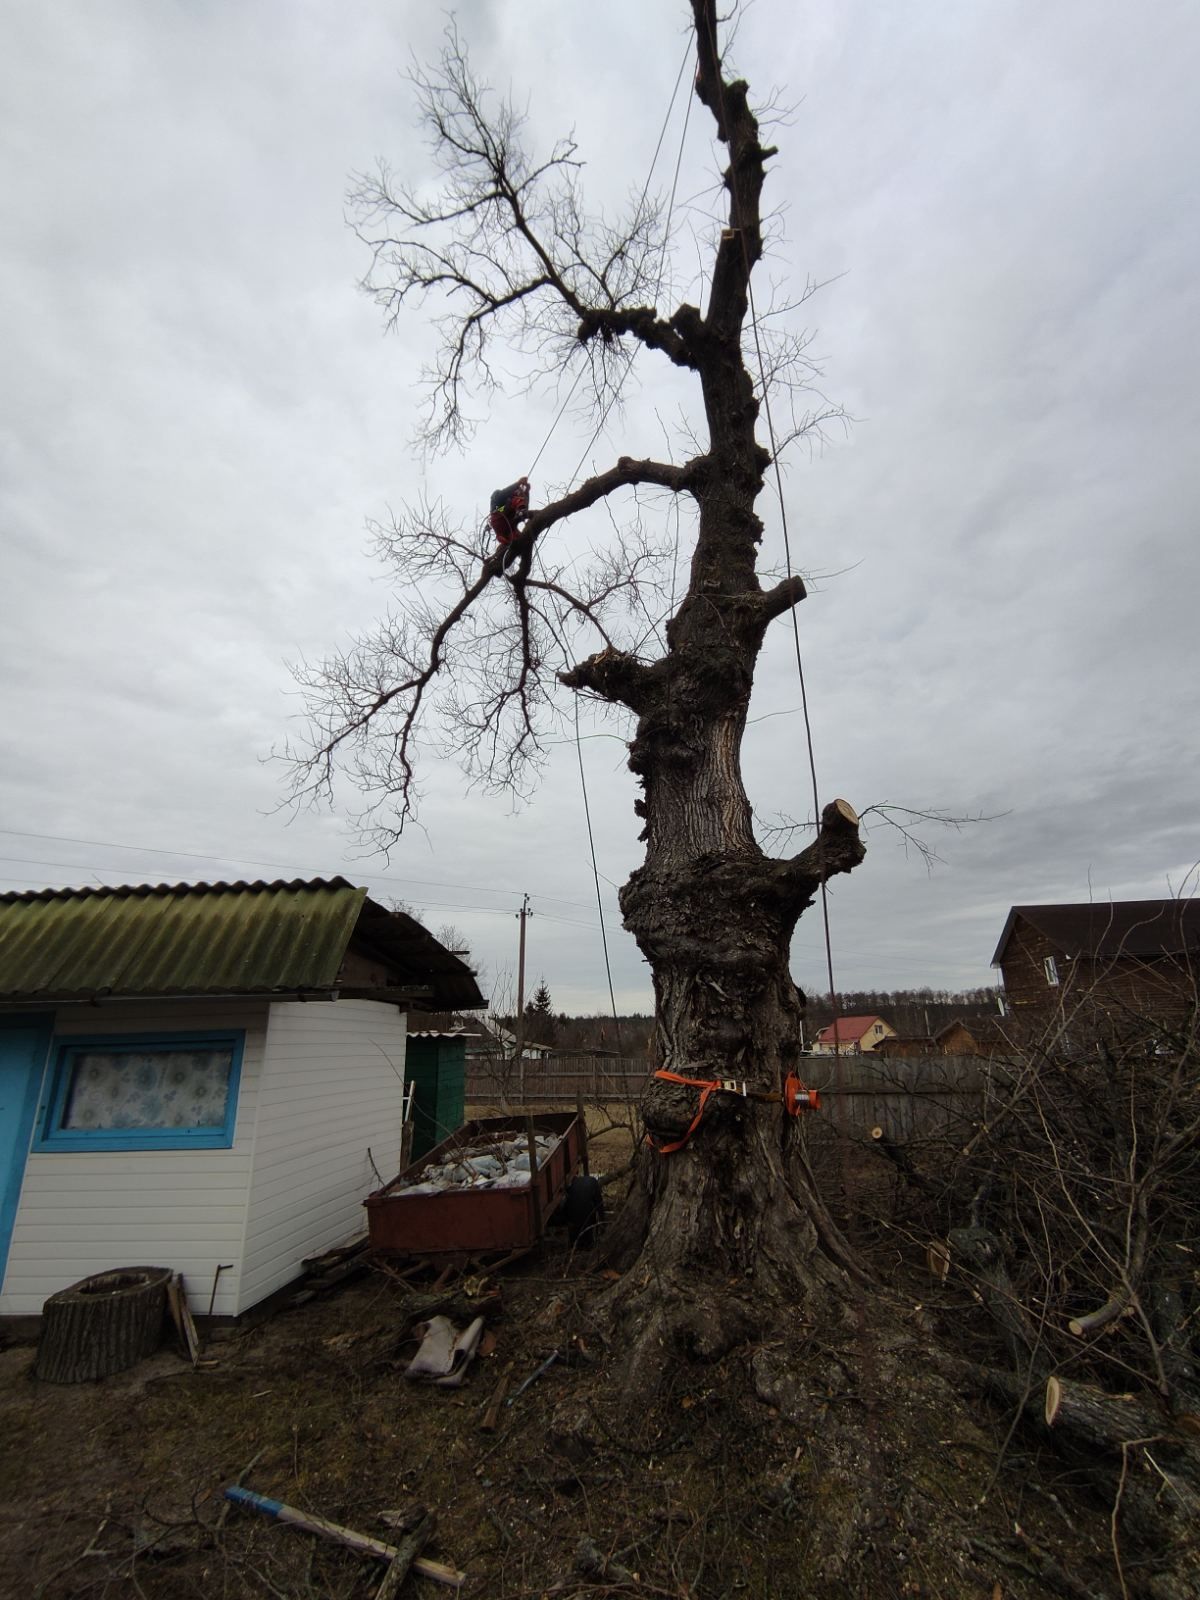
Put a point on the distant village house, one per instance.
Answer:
(852, 1036)
(964, 1036)
(1119, 963)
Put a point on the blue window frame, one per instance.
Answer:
(143, 1091)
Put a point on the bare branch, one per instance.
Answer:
(488, 643)
(626, 472)
(911, 825)
(506, 247)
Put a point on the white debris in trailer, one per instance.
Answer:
(500, 1162)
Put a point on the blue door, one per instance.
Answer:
(24, 1042)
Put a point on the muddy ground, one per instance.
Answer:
(115, 1488)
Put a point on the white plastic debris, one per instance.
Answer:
(445, 1353)
(495, 1163)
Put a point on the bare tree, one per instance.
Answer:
(507, 252)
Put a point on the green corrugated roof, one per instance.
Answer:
(218, 938)
(176, 939)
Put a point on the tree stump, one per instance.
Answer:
(102, 1324)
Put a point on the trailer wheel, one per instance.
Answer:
(583, 1211)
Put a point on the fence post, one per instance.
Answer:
(581, 1114)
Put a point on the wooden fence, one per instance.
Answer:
(909, 1098)
(559, 1079)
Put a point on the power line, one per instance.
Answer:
(245, 861)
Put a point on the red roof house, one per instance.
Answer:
(854, 1036)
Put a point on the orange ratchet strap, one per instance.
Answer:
(795, 1097)
(707, 1087)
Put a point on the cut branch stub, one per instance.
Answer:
(838, 847)
(1108, 1420)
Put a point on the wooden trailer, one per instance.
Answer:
(471, 1220)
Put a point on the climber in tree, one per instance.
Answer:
(509, 508)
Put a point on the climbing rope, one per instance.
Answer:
(633, 355)
(591, 442)
(865, 1336)
(662, 133)
(787, 550)
(587, 812)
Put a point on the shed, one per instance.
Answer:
(200, 1075)
(437, 1073)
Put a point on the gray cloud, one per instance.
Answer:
(200, 412)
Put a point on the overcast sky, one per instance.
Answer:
(199, 413)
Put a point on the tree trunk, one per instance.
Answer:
(726, 1229)
(729, 1223)
(102, 1324)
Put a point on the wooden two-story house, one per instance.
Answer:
(1119, 963)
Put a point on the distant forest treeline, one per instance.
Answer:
(912, 1012)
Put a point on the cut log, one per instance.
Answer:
(1107, 1420)
(937, 1259)
(978, 1252)
(102, 1324)
(1146, 1466)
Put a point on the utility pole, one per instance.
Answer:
(519, 1029)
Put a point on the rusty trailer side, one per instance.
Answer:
(399, 1223)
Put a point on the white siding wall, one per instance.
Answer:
(87, 1211)
(332, 1088)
